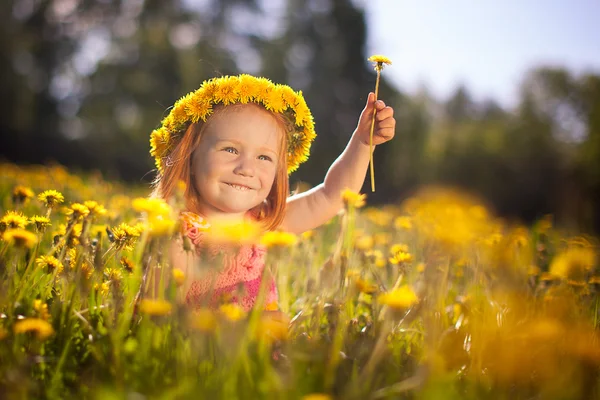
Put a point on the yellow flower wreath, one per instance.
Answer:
(198, 106)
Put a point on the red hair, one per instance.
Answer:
(177, 167)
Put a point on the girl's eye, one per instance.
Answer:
(266, 158)
(231, 150)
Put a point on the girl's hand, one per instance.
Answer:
(385, 124)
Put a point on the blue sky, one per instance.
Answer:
(487, 45)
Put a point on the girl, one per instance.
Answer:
(233, 143)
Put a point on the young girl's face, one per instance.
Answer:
(234, 165)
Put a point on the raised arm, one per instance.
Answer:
(313, 208)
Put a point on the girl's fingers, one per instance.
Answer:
(384, 113)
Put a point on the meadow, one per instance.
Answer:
(431, 298)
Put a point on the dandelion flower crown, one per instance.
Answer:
(198, 106)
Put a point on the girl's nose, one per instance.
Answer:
(245, 167)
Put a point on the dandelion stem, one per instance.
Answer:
(372, 168)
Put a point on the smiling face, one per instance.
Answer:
(235, 164)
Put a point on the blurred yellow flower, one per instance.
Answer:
(127, 264)
(94, 208)
(232, 312)
(113, 274)
(203, 320)
(365, 286)
(307, 235)
(20, 238)
(41, 328)
(160, 225)
(234, 232)
(403, 222)
(273, 327)
(77, 211)
(399, 254)
(102, 288)
(382, 238)
(50, 263)
(42, 309)
(399, 299)
(278, 239)
(40, 222)
(352, 199)
(573, 263)
(317, 396)
(364, 243)
(151, 206)
(22, 194)
(178, 276)
(155, 307)
(13, 220)
(51, 198)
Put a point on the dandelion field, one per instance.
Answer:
(434, 298)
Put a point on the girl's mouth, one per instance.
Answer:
(239, 187)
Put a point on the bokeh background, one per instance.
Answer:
(502, 100)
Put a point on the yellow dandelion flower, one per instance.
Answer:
(400, 257)
(13, 220)
(399, 299)
(398, 247)
(51, 198)
(198, 108)
(178, 112)
(353, 199)
(20, 238)
(247, 89)
(234, 232)
(40, 222)
(127, 264)
(365, 286)
(49, 263)
(103, 289)
(71, 258)
(307, 235)
(573, 263)
(77, 211)
(178, 277)
(364, 243)
(278, 239)
(155, 307)
(22, 194)
(380, 61)
(87, 269)
(273, 101)
(317, 396)
(159, 144)
(403, 222)
(94, 208)
(382, 238)
(42, 309)
(113, 274)
(226, 92)
(232, 312)
(42, 329)
(151, 206)
(273, 327)
(160, 225)
(203, 320)
(124, 236)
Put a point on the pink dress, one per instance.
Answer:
(239, 279)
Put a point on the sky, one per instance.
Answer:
(487, 45)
